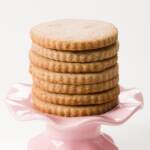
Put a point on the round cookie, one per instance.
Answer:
(71, 99)
(74, 34)
(75, 79)
(78, 56)
(73, 111)
(66, 67)
(75, 89)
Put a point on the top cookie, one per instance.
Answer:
(74, 34)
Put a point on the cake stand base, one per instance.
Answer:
(75, 133)
(101, 142)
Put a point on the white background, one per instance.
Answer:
(132, 17)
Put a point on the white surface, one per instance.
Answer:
(133, 21)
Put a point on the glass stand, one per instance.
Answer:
(75, 133)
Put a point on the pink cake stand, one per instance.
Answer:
(76, 133)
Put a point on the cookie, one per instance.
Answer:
(75, 89)
(71, 99)
(66, 67)
(79, 56)
(74, 34)
(72, 111)
(75, 79)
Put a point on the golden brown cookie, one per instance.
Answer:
(75, 89)
(71, 99)
(75, 79)
(72, 111)
(66, 67)
(79, 56)
(74, 34)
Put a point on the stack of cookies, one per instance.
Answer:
(74, 67)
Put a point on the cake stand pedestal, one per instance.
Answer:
(75, 133)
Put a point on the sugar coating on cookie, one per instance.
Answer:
(74, 79)
(73, 111)
(77, 56)
(76, 99)
(74, 67)
(74, 34)
(66, 67)
(75, 89)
